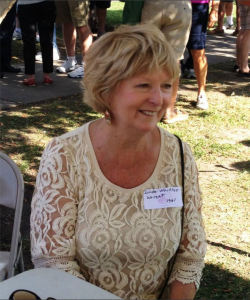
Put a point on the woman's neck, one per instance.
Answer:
(121, 140)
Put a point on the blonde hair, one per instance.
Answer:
(121, 54)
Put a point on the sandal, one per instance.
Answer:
(216, 31)
(47, 80)
(244, 74)
(29, 82)
(176, 117)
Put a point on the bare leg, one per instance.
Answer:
(170, 112)
(221, 14)
(85, 37)
(101, 19)
(200, 68)
(229, 8)
(243, 49)
(69, 35)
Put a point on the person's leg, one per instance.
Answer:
(101, 12)
(229, 14)
(28, 27)
(213, 15)
(196, 44)
(6, 31)
(63, 16)
(244, 48)
(200, 68)
(46, 19)
(243, 40)
(69, 36)
(80, 18)
(221, 14)
(85, 37)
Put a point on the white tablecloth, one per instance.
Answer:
(47, 282)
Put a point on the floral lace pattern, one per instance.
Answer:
(100, 232)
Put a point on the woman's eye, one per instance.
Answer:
(143, 85)
(166, 86)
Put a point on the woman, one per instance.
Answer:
(35, 14)
(91, 211)
(196, 45)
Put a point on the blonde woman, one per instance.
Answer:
(107, 204)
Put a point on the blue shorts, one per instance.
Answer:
(198, 32)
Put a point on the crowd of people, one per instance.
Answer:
(36, 22)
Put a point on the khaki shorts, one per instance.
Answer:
(72, 11)
(245, 17)
(173, 17)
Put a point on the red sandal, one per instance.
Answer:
(47, 80)
(29, 82)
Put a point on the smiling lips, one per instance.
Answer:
(148, 112)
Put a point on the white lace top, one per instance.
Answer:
(86, 225)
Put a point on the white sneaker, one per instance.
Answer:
(202, 102)
(77, 73)
(67, 66)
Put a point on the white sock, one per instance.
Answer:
(230, 20)
(71, 58)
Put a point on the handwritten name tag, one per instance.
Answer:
(162, 198)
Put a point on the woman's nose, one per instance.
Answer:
(156, 96)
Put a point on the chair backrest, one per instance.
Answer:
(11, 195)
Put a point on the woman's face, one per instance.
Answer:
(139, 102)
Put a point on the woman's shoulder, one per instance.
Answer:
(73, 139)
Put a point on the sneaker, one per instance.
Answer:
(77, 73)
(17, 35)
(229, 26)
(202, 102)
(67, 66)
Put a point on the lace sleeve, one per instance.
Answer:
(54, 211)
(190, 258)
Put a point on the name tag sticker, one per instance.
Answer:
(162, 198)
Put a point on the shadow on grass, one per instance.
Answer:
(242, 165)
(22, 131)
(220, 284)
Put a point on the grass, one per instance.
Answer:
(219, 138)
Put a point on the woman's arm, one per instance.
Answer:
(189, 262)
(54, 211)
(180, 291)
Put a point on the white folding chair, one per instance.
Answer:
(11, 195)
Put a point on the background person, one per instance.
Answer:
(100, 12)
(7, 27)
(73, 15)
(174, 20)
(243, 39)
(196, 46)
(89, 211)
(33, 15)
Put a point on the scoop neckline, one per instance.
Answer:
(113, 185)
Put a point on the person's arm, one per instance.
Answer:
(187, 270)
(54, 211)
